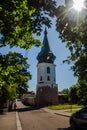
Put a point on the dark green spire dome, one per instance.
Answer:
(45, 55)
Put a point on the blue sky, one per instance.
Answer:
(64, 76)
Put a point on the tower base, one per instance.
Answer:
(47, 96)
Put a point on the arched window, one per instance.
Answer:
(48, 78)
(40, 78)
(48, 70)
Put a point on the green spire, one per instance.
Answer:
(46, 47)
(45, 55)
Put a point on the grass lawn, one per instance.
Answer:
(71, 111)
(59, 107)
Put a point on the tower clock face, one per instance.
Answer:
(48, 57)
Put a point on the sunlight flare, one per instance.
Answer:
(78, 5)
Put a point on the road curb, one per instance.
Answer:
(19, 127)
(62, 114)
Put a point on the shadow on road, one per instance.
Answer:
(28, 108)
(64, 128)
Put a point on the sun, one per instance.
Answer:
(78, 5)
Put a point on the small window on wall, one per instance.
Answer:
(40, 78)
(48, 70)
(48, 78)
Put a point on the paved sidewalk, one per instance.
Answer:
(58, 112)
(8, 121)
(61, 112)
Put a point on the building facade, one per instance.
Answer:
(47, 90)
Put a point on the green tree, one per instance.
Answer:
(73, 96)
(82, 91)
(20, 19)
(14, 76)
(65, 94)
(80, 69)
(72, 28)
(65, 91)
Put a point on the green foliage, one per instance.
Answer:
(73, 96)
(59, 107)
(14, 75)
(65, 91)
(71, 31)
(19, 20)
(80, 69)
(72, 28)
(82, 91)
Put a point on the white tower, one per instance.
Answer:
(47, 92)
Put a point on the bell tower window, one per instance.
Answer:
(48, 78)
(48, 70)
(41, 78)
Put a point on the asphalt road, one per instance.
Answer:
(38, 119)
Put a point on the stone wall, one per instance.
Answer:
(47, 96)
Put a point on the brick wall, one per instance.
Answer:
(47, 96)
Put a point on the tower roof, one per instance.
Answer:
(45, 55)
